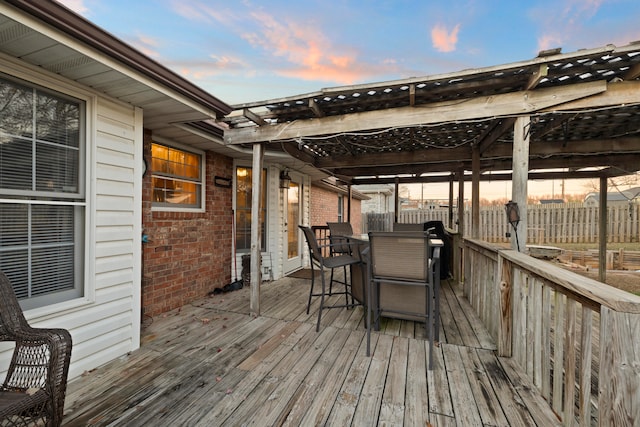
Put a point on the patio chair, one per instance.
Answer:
(34, 389)
(339, 245)
(402, 283)
(331, 263)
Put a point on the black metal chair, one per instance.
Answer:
(339, 245)
(34, 389)
(323, 262)
(402, 283)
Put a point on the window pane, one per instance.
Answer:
(176, 177)
(57, 168)
(16, 170)
(14, 224)
(16, 110)
(57, 120)
(39, 255)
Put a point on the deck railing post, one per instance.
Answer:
(619, 376)
(504, 278)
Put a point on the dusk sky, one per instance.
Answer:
(243, 51)
(247, 50)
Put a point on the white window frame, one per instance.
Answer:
(203, 181)
(77, 199)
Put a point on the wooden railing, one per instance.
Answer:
(559, 223)
(577, 340)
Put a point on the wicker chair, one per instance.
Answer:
(34, 389)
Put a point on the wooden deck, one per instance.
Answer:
(211, 363)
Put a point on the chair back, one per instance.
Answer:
(312, 243)
(399, 255)
(40, 360)
(11, 316)
(340, 245)
(398, 226)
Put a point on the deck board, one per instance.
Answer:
(212, 363)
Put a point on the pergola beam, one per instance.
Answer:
(522, 102)
(546, 148)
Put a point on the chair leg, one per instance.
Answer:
(331, 283)
(437, 306)
(321, 302)
(346, 287)
(313, 278)
(431, 322)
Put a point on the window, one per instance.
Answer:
(340, 209)
(176, 177)
(42, 200)
(243, 208)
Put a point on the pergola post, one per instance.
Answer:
(602, 231)
(256, 189)
(349, 195)
(451, 179)
(520, 176)
(461, 202)
(396, 208)
(475, 192)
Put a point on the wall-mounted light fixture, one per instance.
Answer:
(285, 179)
(513, 216)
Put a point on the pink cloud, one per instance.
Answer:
(567, 25)
(310, 54)
(303, 49)
(443, 40)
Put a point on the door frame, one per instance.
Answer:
(292, 264)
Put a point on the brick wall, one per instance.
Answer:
(187, 254)
(324, 208)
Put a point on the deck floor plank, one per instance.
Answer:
(211, 363)
(464, 403)
(416, 411)
(368, 405)
(393, 398)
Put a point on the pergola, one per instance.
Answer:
(573, 115)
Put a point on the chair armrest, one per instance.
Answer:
(41, 361)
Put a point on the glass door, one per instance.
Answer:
(292, 214)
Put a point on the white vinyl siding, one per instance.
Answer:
(110, 327)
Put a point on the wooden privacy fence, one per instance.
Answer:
(554, 223)
(576, 339)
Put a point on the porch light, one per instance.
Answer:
(513, 213)
(285, 179)
(513, 216)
